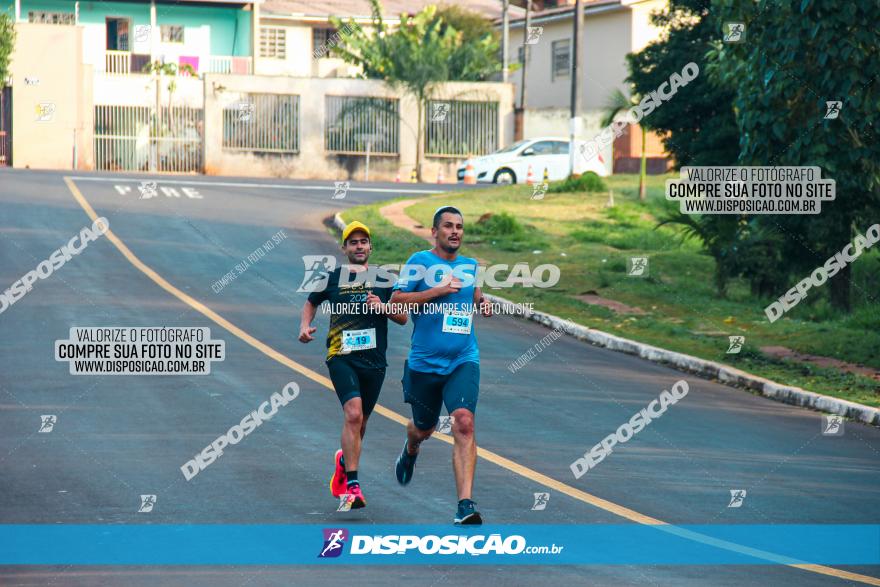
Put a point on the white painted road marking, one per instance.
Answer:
(258, 185)
(169, 192)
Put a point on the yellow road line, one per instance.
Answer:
(490, 456)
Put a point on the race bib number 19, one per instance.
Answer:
(358, 340)
(457, 322)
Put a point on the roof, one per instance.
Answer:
(560, 12)
(390, 8)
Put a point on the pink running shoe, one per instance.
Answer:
(339, 480)
(359, 500)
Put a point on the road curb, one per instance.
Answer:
(709, 369)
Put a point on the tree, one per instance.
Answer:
(475, 56)
(617, 103)
(7, 43)
(740, 247)
(797, 56)
(421, 53)
(697, 126)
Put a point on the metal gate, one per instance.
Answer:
(144, 138)
(6, 127)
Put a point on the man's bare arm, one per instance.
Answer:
(484, 306)
(418, 298)
(399, 318)
(374, 301)
(306, 330)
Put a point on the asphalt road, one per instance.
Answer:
(117, 437)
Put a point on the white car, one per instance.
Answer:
(511, 165)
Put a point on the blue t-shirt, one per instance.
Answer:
(432, 349)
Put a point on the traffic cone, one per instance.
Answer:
(397, 179)
(546, 175)
(440, 176)
(412, 176)
(470, 176)
(530, 177)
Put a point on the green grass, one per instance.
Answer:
(591, 243)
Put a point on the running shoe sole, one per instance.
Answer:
(473, 519)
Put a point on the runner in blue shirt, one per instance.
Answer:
(444, 361)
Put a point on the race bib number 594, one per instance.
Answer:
(457, 322)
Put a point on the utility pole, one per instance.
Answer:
(575, 53)
(525, 63)
(505, 38)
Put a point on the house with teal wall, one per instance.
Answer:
(215, 36)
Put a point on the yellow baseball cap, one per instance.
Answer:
(352, 227)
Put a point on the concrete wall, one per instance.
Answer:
(312, 160)
(643, 32)
(298, 61)
(140, 90)
(609, 35)
(58, 80)
(607, 39)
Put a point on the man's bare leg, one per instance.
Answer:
(464, 452)
(353, 428)
(403, 467)
(415, 437)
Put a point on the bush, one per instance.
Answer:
(588, 182)
(504, 231)
(502, 224)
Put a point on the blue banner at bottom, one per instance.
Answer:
(600, 544)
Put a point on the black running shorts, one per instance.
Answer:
(351, 381)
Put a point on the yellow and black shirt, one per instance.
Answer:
(354, 296)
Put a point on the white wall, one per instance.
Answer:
(313, 161)
(94, 45)
(197, 42)
(59, 84)
(140, 90)
(643, 32)
(299, 61)
(607, 38)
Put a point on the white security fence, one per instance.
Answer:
(459, 128)
(355, 124)
(262, 123)
(299, 127)
(140, 138)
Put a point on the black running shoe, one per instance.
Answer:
(404, 467)
(467, 515)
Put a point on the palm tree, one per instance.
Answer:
(617, 103)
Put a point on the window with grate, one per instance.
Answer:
(273, 42)
(44, 17)
(172, 33)
(561, 58)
